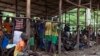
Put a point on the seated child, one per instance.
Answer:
(21, 45)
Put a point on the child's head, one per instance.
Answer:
(24, 37)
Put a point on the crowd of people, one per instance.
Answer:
(87, 38)
(43, 37)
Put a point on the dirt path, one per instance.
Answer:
(94, 51)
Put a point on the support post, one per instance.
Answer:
(78, 30)
(94, 22)
(28, 15)
(97, 23)
(90, 22)
(60, 13)
(17, 12)
(85, 18)
(46, 9)
(90, 10)
(0, 19)
(65, 16)
(69, 18)
(61, 18)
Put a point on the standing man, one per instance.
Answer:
(40, 29)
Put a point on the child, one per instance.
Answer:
(54, 36)
(48, 32)
(31, 42)
(21, 45)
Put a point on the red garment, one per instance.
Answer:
(8, 27)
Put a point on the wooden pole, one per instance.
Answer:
(46, 10)
(28, 15)
(85, 4)
(17, 12)
(16, 2)
(60, 10)
(60, 13)
(65, 16)
(78, 30)
(85, 18)
(76, 4)
(94, 21)
(91, 9)
(90, 4)
(97, 23)
(62, 18)
(0, 19)
(90, 23)
(69, 18)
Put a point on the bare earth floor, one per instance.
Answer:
(93, 51)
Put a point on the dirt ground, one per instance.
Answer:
(93, 51)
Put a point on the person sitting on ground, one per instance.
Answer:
(21, 45)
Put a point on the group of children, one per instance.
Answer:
(44, 35)
(6, 38)
(47, 42)
(51, 35)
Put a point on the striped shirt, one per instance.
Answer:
(19, 24)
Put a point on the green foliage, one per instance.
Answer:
(73, 17)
